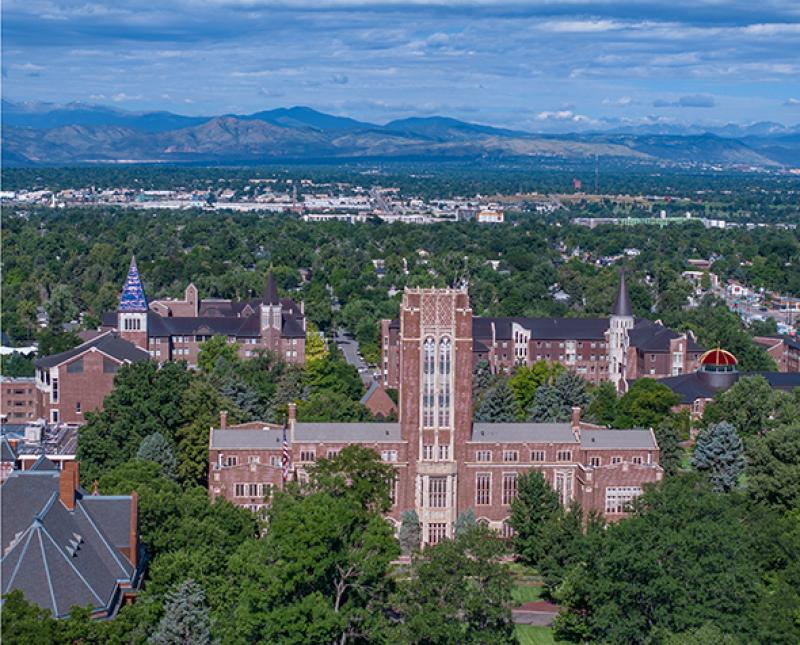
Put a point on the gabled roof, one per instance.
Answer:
(523, 433)
(132, 298)
(59, 557)
(270, 296)
(541, 328)
(622, 439)
(240, 438)
(649, 336)
(336, 432)
(7, 453)
(108, 343)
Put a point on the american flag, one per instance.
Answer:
(285, 457)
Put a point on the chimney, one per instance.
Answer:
(133, 538)
(292, 414)
(223, 419)
(576, 420)
(68, 483)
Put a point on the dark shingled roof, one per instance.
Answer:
(60, 558)
(7, 453)
(691, 387)
(523, 433)
(109, 343)
(649, 336)
(621, 439)
(270, 296)
(542, 328)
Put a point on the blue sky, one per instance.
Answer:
(546, 65)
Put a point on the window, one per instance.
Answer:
(308, 455)
(507, 531)
(483, 489)
(636, 460)
(483, 455)
(564, 455)
(253, 459)
(594, 462)
(109, 366)
(509, 487)
(389, 455)
(239, 490)
(564, 487)
(427, 452)
(437, 531)
(437, 492)
(618, 498)
(75, 367)
(332, 453)
(428, 377)
(393, 492)
(616, 460)
(78, 411)
(231, 460)
(445, 361)
(537, 455)
(510, 455)
(444, 453)
(275, 461)
(54, 391)
(53, 416)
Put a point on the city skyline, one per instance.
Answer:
(548, 66)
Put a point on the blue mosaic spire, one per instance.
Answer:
(132, 298)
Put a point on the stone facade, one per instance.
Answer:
(445, 463)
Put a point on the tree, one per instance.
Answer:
(719, 453)
(214, 350)
(333, 374)
(410, 534)
(156, 448)
(525, 381)
(16, 365)
(464, 522)
(750, 405)
(670, 453)
(715, 551)
(186, 618)
(316, 349)
(24, 622)
(54, 341)
(61, 307)
(482, 378)
(555, 402)
(498, 405)
(331, 406)
(603, 406)
(536, 504)
(458, 591)
(774, 468)
(645, 404)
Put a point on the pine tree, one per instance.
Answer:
(186, 617)
(410, 534)
(155, 447)
(555, 402)
(572, 390)
(535, 505)
(464, 522)
(719, 453)
(498, 406)
(669, 446)
(481, 378)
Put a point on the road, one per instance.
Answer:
(350, 350)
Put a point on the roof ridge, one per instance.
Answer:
(71, 565)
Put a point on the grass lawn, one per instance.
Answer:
(526, 593)
(534, 635)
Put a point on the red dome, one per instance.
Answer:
(718, 357)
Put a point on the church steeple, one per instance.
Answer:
(622, 303)
(132, 299)
(270, 295)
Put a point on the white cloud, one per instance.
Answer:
(564, 115)
(792, 102)
(121, 96)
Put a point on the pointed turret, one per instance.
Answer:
(270, 296)
(132, 299)
(622, 303)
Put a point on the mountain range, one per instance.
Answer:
(78, 133)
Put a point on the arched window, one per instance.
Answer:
(428, 379)
(445, 368)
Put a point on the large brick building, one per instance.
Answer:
(17, 399)
(445, 463)
(172, 330)
(71, 383)
(619, 348)
(785, 350)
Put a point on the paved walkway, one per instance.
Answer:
(535, 613)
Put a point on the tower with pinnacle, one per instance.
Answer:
(618, 340)
(271, 312)
(132, 310)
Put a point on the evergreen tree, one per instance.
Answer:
(603, 406)
(498, 406)
(535, 505)
(481, 378)
(186, 617)
(555, 402)
(719, 453)
(669, 446)
(155, 447)
(464, 522)
(410, 534)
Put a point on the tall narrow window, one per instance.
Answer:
(428, 377)
(445, 367)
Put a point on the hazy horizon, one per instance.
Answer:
(554, 65)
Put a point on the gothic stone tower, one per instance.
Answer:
(618, 341)
(271, 315)
(435, 401)
(132, 311)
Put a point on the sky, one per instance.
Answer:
(549, 65)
